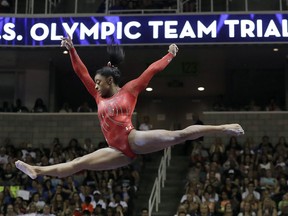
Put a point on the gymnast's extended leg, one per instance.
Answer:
(143, 142)
(102, 159)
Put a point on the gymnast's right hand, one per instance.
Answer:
(67, 42)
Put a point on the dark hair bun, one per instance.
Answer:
(116, 54)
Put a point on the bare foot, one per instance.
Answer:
(26, 168)
(233, 129)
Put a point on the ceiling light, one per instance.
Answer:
(201, 88)
(149, 89)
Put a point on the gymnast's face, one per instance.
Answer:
(103, 85)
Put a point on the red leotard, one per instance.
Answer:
(115, 113)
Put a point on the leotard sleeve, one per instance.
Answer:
(82, 72)
(139, 84)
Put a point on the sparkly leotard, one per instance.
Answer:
(115, 112)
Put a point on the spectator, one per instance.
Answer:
(5, 107)
(65, 108)
(217, 148)
(86, 205)
(98, 210)
(247, 163)
(118, 200)
(31, 209)
(284, 211)
(36, 200)
(196, 173)
(221, 204)
(233, 173)
(205, 210)
(231, 162)
(264, 161)
(10, 210)
(265, 146)
(282, 186)
(144, 212)
(119, 211)
(267, 206)
(228, 186)
(48, 190)
(235, 199)
(251, 191)
(20, 205)
(210, 197)
(75, 201)
(110, 211)
(4, 158)
(283, 202)
(9, 175)
(213, 176)
(252, 106)
(19, 107)
(39, 106)
(58, 204)
(199, 153)
(192, 206)
(268, 181)
(254, 204)
(84, 107)
(233, 147)
(88, 146)
(272, 106)
(97, 200)
(46, 211)
(119, 5)
(106, 190)
(228, 210)
(247, 210)
(147, 4)
(181, 211)
(145, 125)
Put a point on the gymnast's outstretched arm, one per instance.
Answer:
(139, 84)
(79, 67)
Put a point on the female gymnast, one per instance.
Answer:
(115, 108)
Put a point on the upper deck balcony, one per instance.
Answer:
(109, 7)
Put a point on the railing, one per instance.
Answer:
(179, 6)
(34, 7)
(155, 197)
(142, 11)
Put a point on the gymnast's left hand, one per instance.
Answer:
(173, 49)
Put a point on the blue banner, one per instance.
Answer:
(145, 30)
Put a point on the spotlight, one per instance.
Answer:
(201, 88)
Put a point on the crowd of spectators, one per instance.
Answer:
(40, 106)
(225, 179)
(237, 179)
(271, 105)
(141, 5)
(97, 193)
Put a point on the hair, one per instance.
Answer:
(116, 56)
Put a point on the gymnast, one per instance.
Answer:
(115, 108)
